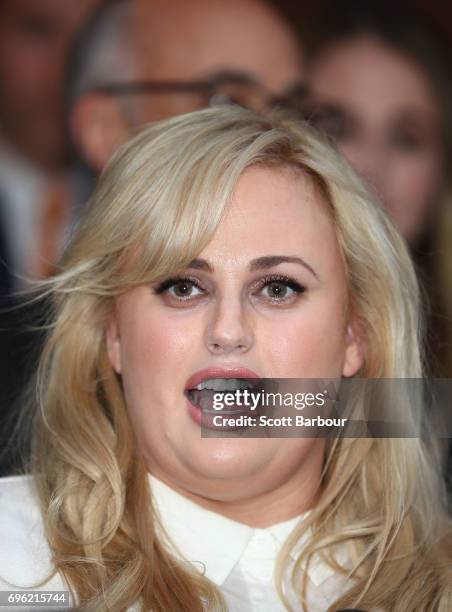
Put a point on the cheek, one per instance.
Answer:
(154, 350)
(416, 178)
(354, 150)
(413, 189)
(307, 344)
(155, 346)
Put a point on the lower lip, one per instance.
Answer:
(195, 412)
(201, 418)
(206, 418)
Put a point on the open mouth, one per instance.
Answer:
(228, 396)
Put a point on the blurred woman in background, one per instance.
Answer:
(380, 88)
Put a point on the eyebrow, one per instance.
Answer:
(261, 263)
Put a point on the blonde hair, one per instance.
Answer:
(157, 204)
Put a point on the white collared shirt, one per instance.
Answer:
(238, 558)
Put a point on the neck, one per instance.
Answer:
(265, 506)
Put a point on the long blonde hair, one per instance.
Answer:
(157, 204)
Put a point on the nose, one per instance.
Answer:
(229, 329)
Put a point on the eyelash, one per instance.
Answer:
(296, 287)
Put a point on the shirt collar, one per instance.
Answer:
(212, 542)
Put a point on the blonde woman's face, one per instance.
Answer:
(381, 110)
(266, 297)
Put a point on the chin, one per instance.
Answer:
(229, 458)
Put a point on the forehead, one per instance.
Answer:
(194, 39)
(276, 211)
(369, 76)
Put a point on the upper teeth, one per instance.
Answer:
(224, 384)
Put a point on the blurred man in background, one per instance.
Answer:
(144, 60)
(36, 186)
(35, 36)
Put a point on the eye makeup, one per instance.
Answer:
(274, 282)
(279, 284)
(172, 281)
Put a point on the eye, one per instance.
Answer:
(405, 140)
(280, 288)
(277, 289)
(332, 121)
(179, 288)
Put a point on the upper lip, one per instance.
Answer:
(219, 372)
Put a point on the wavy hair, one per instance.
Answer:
(155, 208)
